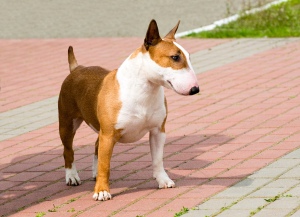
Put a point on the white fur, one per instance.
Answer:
(95, 166)
(72, 177)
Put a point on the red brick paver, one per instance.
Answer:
(246, 116)
(33, 70)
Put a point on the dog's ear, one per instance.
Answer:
(171, 34)
(152, 35)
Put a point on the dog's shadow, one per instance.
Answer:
(131, 169)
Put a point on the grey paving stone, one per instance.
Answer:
(234, 192)
(233, 51)
(272, 212)
(216, 202)
(289, 203)
(293, 155)
(249, 203)
(295, 192)
(28, 118)
(5, 136)
(231, 213)
(252, 183)
(293, 173)
(266, 192)
(284, 163)
(14, 132)
(296, 214)
(268, 173)
(282, 183)
(200, 213)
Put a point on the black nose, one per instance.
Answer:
(194, 90)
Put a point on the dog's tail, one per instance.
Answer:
(72, 60)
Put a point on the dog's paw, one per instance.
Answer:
(72, 178)
(164, 181)
(102, 196)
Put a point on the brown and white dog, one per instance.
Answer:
(125, 104)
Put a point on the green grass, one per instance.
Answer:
(40, 214)
(71, 210)
(184, 210)
(278, 21)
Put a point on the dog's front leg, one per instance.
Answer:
(106, 144)
(157, 141)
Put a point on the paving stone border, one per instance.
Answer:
(273, 190)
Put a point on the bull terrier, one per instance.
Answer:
(124, 104)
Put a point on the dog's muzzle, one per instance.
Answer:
(194, 90)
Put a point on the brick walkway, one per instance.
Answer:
(246, 117)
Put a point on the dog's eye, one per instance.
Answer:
(176, 58)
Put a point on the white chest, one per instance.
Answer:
(143, 108)
(137, 116)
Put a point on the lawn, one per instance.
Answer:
(282, 20)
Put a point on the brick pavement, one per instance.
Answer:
(246, 117)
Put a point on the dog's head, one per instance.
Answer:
(169, 63)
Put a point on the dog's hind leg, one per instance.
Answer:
(67, 130)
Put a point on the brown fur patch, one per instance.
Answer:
(162, 52)
(109, 103)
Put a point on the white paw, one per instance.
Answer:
(72, 177)
(164, 181)
(102, 196)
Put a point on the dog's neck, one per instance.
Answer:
(136, 74)
(138, 94)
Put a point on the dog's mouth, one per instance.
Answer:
(172, 87)
(170, 84)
